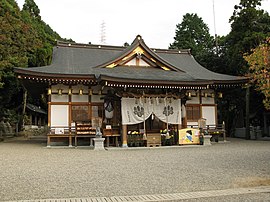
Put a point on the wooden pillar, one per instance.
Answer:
(265, 128)
(124, 136)
(49, 114)
(35, 117)
(49, 107)
(247, 113)
(24, 107)
(224, 131)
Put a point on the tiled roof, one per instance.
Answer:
(35, 108)
(81, 60)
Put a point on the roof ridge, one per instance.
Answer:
(113, 47)
(93, 46)
(175, 51)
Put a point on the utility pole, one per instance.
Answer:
(103, 33)
(215, 30)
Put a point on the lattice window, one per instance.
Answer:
(80, 113)
(193, 113)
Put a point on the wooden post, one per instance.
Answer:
(247, 113)
(224, 131)
(124, 136)
(24, 107)
(265, 128)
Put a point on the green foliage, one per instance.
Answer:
(32, 9)
(194, 34)
(41, 54)
(259, 67)
(250, 26)
(25, 41)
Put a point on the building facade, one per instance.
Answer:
(126, 90)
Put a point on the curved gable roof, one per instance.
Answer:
(139, 48)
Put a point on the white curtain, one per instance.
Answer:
(135, 111)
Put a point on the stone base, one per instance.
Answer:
(99, 143)
(207, 140)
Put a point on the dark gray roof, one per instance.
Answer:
(80, 60)
(187, 63)
(35, 108)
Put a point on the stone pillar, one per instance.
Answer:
(99, 143)
(124, 136)
(207, 140)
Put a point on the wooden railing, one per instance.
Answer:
(61, 132)
(81, 131)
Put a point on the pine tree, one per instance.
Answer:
(192, 33)
(250, 26)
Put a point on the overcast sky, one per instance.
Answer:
(154, 20)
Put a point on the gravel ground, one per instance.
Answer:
(29, 170)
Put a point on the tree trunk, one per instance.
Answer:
(247, 113)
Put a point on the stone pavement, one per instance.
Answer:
(165, 197)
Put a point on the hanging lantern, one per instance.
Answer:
(60, 91)
(109, 108)
(90, 91)
(189, 94)
(49, 91)
(70, 91)
(220, 95)
(80, 91)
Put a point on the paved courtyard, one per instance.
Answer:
(29, 170)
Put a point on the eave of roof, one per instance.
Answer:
(35, 108)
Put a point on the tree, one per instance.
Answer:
(259, 67)
(25, 41)
(249, 27)
(31, 7)
(15, 41)
(40, 54)
(193, 34)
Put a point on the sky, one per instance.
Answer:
(154, 20)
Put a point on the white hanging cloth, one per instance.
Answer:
(168, 111)
(132, 111)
